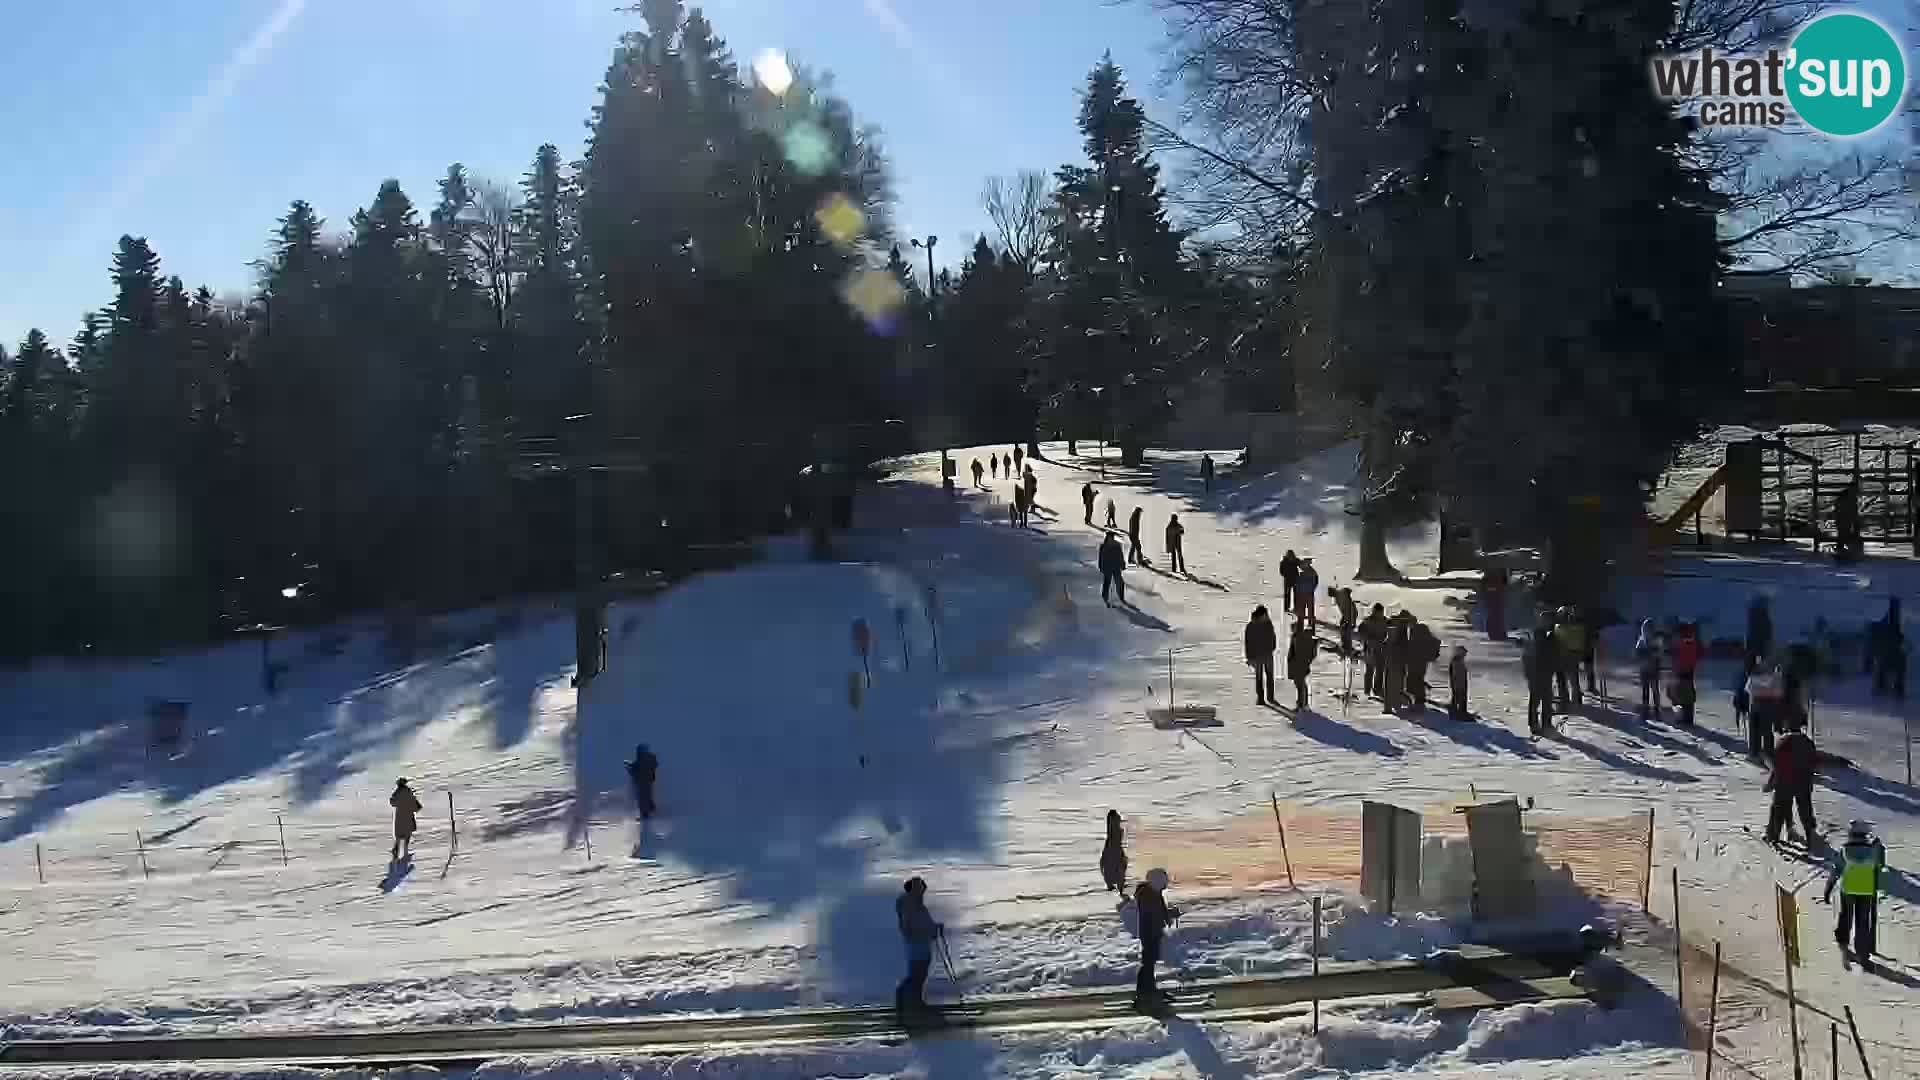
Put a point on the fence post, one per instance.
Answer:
(145, 870)
(39, 864)
(1833, 1047)
(1713, 1010)
(1858, 1046)
(453, 827)
(1646, 878)
(282, 823)
(1277, 824)
(1906, 727)
(1316, 965)
(1679, 966)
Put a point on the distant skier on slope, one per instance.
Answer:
(405, 806)
(1149, 899)
(641, 771)
(917, 930)
(1113, 856)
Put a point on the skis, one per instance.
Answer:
(1173, 1003)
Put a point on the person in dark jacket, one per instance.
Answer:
(1006, 465)
(1423, 648)
(1289, 577)
(1086, 498)
(1399, 652)
(1349, 617)
(1176, 558)
(1457, 683)
(1300, 652)
(1759, 632)
(1017, 452)
(1887, 653)
(1113, 510)
(1846, 524)
(993, 465)
(1112, 563)
(1206, 471)
(1373, 649)
(1686, 663)
(1649, 653)
(1150, 901)
(641, 770)
(1305, 589)
(979, 473)
(917, 930)
(1113, 856)
(1792, 784)
(1134, 555)
(1541, 661)
(1261, 642)
(405, 806)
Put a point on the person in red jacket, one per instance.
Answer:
(1686, 661)
(1791, 784)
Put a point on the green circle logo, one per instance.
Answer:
(1847, 74)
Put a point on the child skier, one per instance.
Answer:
(1150, 900)
(1857, 870)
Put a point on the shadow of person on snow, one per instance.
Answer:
(1481, 734)
(397, 873)
(1620, 761)
(1140, 618)
(1320, 729)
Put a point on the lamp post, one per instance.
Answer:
(1097, 390)
(931, 240)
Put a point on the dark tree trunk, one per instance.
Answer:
(1375, 564)
(1133, 452)
(1033, 448)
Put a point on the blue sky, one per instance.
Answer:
(195, 125)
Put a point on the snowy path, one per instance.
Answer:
(770, 879)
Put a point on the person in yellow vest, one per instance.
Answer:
(1857, 871)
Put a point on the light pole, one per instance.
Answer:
(931, 240)
(1097, 390)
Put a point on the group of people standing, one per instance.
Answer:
(1396, 652)
(1563, 642)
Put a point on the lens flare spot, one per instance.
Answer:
(807, 147)
(771, 71)
(876, 296)
(840, 220)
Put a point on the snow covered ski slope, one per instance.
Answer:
(769, 878)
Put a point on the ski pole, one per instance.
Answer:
(946, 957)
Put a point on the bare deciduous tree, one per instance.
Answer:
(1021, 209)
(496, 211)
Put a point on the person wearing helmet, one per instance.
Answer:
(918, 930)
(1149, 899)
(1857, 870)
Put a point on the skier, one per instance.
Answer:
(1646, 656)
(993, 465)
(1006, 465)
(1303, 600)
(1113, 856)
(1086, 497)
(1857, 870)
(1759, 632)
(1349, 616)
(1134, 555)
(1887, 653)
(1261, 642)
(1176, 559)
(641, 771)
(1457, 682)
(1149, 899)
(977, 473)
(1017, 453)
(1112, 562)
(405, 805)
(1686, 661)
(1422, 649)
(1766, 698)
(1206, 471)
(1571, 637)
(1399, 648)
(1792, 785)
(1300, 653)
(1113, 509)
(1373, 647)
(1540, 660)
(1289, 575)
(918, 930)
